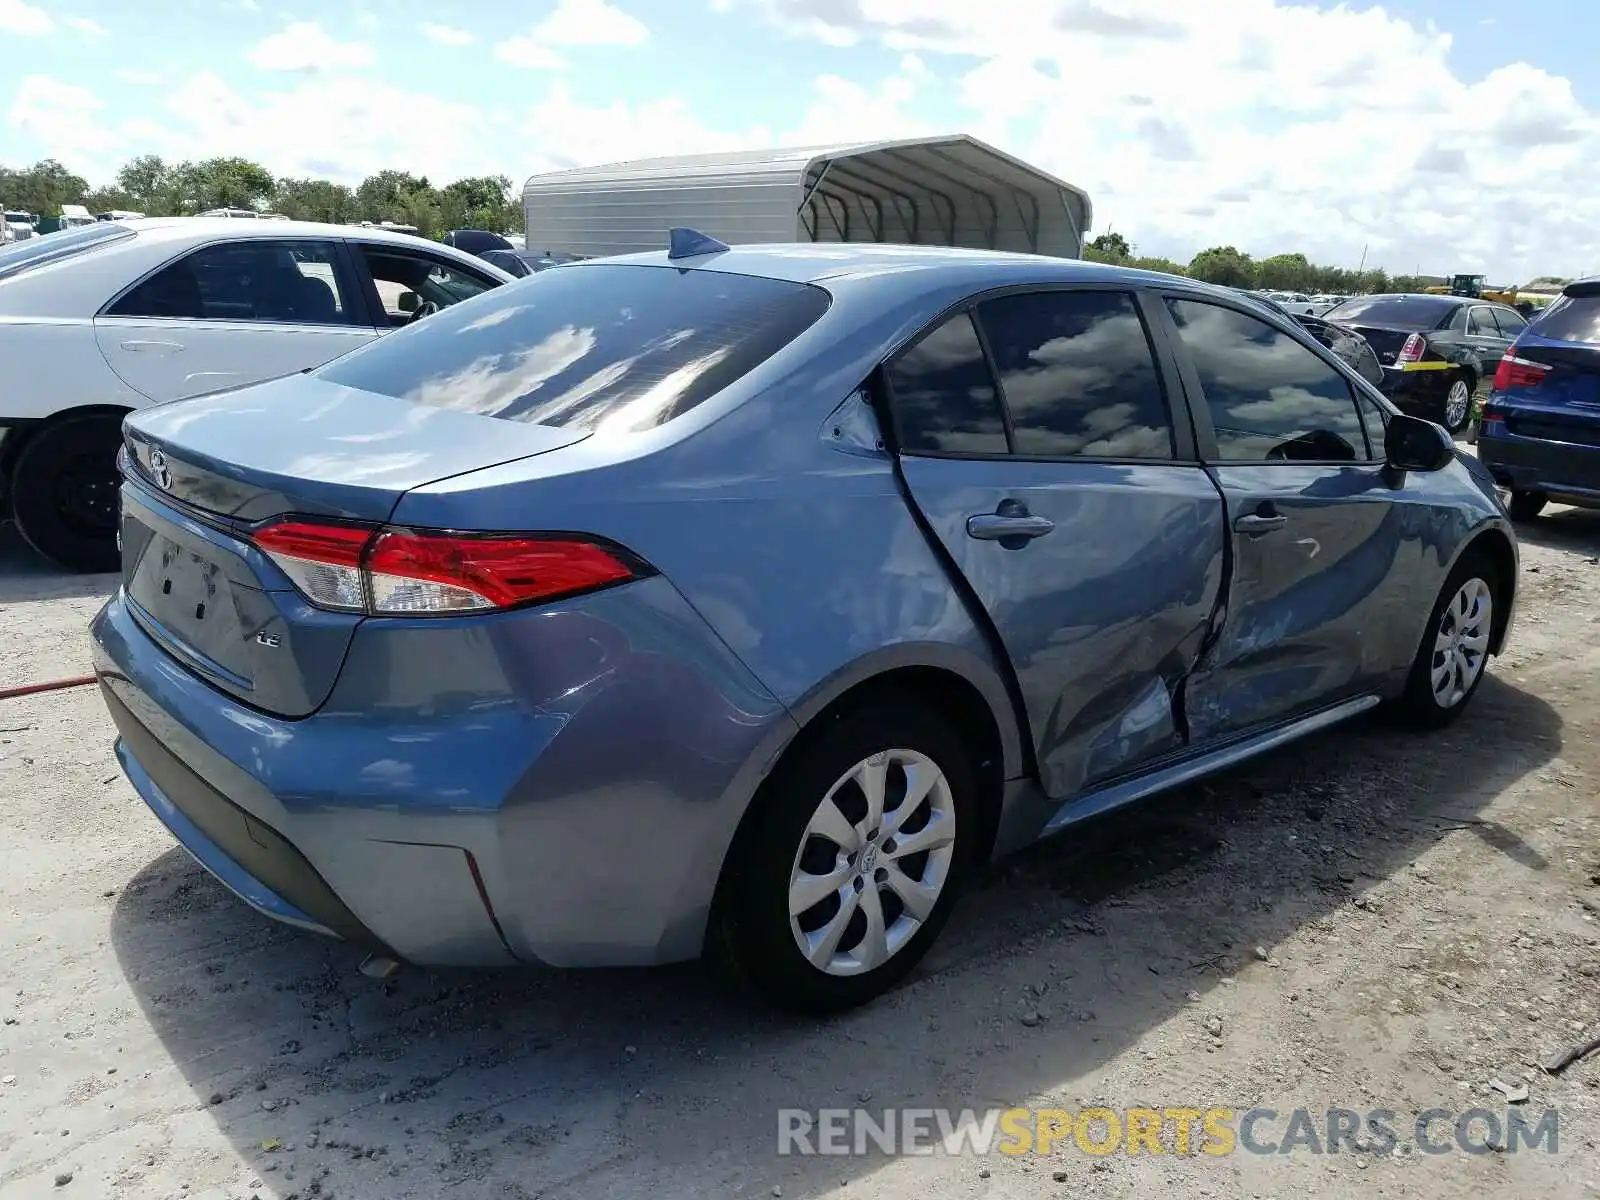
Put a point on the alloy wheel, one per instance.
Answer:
(1457, 403)
(1461, 643)
(872, 862)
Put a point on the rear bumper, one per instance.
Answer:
(540, 786)
(1418, 393)
(1563, 470)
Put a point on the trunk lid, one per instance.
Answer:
(202, 472)
(1385, 340)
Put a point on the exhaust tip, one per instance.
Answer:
(376, 966)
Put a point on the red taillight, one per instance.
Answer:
(391, 572)
(1515, 372)
(1412, 351)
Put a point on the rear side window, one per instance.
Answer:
(626, 347)
(1270, 398)
(1481, 321)
(1077, 375)
(275, 281)
(943, 395)
(1571, 319)
(53, 247)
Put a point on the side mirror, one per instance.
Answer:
(1412, 444)
(409, 302)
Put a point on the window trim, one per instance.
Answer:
(369, 285)
(1185, 450)
(1200, 411)
(354, 304)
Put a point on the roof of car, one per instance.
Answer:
(178, 228)
(810, 262)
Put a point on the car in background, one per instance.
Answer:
(101, 320)
(475, 241)
(522, 263)
(1296, 304)
(1436, 351)
(744, 600)
(1322, 303)
(1539, 434)
(1343, 341)
(16, 226)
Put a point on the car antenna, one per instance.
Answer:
(690, 243)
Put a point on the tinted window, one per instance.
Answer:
(425, 279)
(1270, 398)
(1481, 321)
(276, 281)
(944, 396)
(1570, 319)
(629, 346)
(1511, 322)
(17, 257)
(1403, 312)
(1077, 375)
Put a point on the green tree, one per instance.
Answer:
(150, 185)
(1287, 272)
(99, 200)
(1164, 265)
(223, 183)
(314, 200)
(386, 195)
(1113, 246)
(479, 202)
(41, 189)
(1224, 265)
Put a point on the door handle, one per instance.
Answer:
(1260, 522)
(1010, 522)
(135, 344)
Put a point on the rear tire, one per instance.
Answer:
(1454, 651)
(64, 492)
(795, 847)
(1525, 506)
(1455, 410)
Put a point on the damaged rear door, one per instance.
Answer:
(1040, 441)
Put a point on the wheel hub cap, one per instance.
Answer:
(1456, 403)
(872, 862)
(1461, 643)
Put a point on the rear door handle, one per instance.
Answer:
(135, 344)
(1003, 526)
(1260, 522)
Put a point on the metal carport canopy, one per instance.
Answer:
(948, 190)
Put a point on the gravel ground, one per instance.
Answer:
(1366, 920)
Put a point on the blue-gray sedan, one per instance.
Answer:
(742, 601)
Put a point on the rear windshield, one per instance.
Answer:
(1570, 319)
(52, 247)
(1402, 312)
(630, 346)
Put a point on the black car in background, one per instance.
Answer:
(1344, 341)
(1435, 351)
(525, 262)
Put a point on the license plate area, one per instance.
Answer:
(189, 597)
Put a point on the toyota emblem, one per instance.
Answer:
(159, 471)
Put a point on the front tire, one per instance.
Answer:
(1454, 651)
(64, 492)
(853, 862)
(1456, 409)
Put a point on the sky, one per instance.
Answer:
(1459, 136)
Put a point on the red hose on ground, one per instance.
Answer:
(28, 689)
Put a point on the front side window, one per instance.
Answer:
(604, 346)
(1270, 398)
(1077, 375)
(291, 282)
(943, 394)
(407, 281)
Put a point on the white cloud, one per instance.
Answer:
(85, 25)
(448, 35)
(573, 23)
(137, 78)
(23, 19)
(304, 46)
(65, 116)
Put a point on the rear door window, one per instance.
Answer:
(943, 394)
(1511, 322)
(1077, 375)
(624, 347)
(272, 281)
(405, 281)
(1482, 323)
(1270, 398)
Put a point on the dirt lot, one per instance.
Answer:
(1367, 920)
